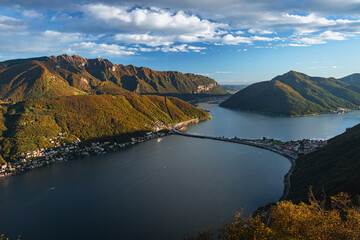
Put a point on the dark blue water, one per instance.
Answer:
(158, 190)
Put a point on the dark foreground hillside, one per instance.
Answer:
(338, 220)
(296, 94)
(332, 169)
(34, 124)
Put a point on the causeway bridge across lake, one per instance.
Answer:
(249, 143)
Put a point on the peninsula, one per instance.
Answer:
(297, 94)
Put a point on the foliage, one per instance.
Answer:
(316, 220)
(64, 75)
(353, 79)
(333, 169)
(35, 123)
(3, 237)
(296, 94)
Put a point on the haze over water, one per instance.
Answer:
(159, 190)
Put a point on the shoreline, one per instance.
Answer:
(70, 152)
(257, 143)
(75, 150)
(291, 116)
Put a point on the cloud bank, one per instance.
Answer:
(137, 27)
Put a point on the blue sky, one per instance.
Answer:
(232, 41)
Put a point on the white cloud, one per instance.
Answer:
(182, 48)
(239, 32)
(261, 32)
(159, 25)
(10, 24)
(152, 26)
(144, 39)
(152, 19)
(235, 40)
(325, 67)
(321, 38)
(176, 48)
(144, 49)
(265, 39)
(329, 35)
(231, 40)
(295, 45)
(205, 74)
(63, 37)
(102, 48)
(31, 14)
(196, 49)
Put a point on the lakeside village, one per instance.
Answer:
(290, 148)
(64, 152)
(74, 150)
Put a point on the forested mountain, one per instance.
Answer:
(64, 75)
(296, 94)
(353, 79)
(32, 124)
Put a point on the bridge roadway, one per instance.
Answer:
(253, 144)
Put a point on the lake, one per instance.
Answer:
(229, 123)
(160, 190)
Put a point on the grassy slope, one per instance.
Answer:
(333, 169)
(90, 117)
(32, 80)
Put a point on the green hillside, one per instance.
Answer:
(334, 168)
(64, 75)
(32, 124)
(353, 79)
(296, 94)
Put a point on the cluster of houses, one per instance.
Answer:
(64, 152)
(6, 169)
(204, 88)
(158, 126)
(340, 110)
(294, 148)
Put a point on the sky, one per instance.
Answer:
(232, 41)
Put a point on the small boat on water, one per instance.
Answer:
(159, 139)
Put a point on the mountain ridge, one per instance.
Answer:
(65, 75)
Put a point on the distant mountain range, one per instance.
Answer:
(47, 77)
(296, 94)
(232, 89)
(332, 169)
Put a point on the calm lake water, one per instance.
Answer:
(159, 190)
(229, 123)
